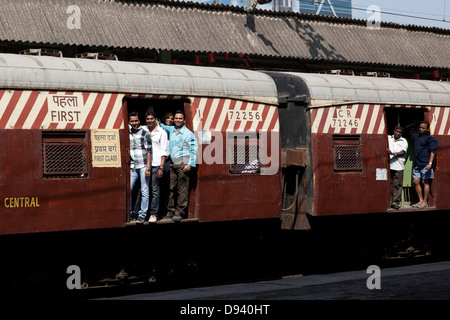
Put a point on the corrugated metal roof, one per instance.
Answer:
(200, 28)
(327, 90)
(50, 73)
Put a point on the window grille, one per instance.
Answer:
(347, 154)
(244, 156)
(64, 155)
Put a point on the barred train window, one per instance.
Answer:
(64, 154)
(243, 153)
(347, 153)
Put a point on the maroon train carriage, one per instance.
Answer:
(64, 169)
(334, 131)
(64, 160)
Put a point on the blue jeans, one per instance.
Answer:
(134, 175)
(154, 206)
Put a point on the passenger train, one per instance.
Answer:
(276, 149)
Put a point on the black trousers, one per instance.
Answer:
(396, 186)
(179, 190)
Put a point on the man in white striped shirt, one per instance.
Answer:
(140, 161)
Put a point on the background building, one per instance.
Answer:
(336, 8)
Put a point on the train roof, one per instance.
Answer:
(331, 89)
(74, 74)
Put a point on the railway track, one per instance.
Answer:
(224, 258)
(266, 263)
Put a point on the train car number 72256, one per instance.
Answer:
(244, 115)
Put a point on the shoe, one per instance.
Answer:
(140, 220)
(168, 216)
(153, 219)
(177, 218)
(395, 206)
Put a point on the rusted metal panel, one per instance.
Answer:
(221, 194)
(440, 184)
(350, 192)
(296, 157)
(32, 203)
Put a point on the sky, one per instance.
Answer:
(406, 10)
(429, 13)
(402, 11)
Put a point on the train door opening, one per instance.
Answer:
(409, 119)
(160, 107)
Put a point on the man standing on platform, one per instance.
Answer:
(397, 152)
(159, 154)
(140, 161)
(183, 153)
(425, 147)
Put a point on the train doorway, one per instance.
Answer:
(409, 119)
(160, 107)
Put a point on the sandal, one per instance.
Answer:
(419, 205)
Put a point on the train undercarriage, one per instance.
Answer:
(192, 254)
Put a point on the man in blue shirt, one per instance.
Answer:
(425, 147)
(183, 154)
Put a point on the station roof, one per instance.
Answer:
(194, 27)
(72, 74)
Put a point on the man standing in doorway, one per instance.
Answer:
(140, 161)
(397, 151)
(167, 119)
(183, 154)
(159, 154)
(425, 147)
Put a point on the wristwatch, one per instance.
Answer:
(147, 169)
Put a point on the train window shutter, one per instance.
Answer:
(347, 153)
(244, 153)
(64, 155)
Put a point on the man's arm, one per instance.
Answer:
(434, 144)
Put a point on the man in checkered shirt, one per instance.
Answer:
(140, 162)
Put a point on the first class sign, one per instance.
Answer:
(105, 148)
(65, 108)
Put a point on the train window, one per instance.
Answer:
(64, 154)
(347, 153)
(243, 153)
